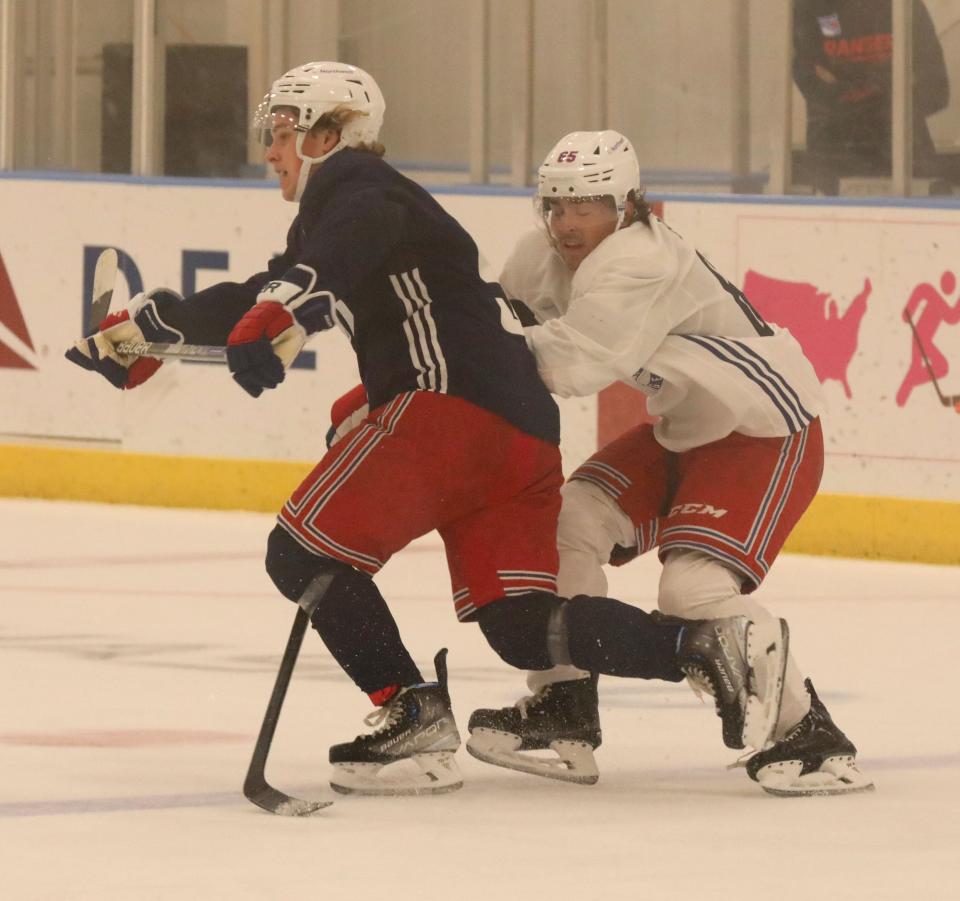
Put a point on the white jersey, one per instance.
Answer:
(647, 309)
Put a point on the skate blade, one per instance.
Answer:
(434, 773)
(767, 646)
(836, 776)
(574, 761)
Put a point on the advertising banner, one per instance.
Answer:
(183, 237)
(870, 292)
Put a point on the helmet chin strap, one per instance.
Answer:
(622, 214)
(309, 162)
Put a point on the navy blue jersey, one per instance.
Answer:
(403, 279)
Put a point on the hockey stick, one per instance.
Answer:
(104, 279)
(255, 786)
(204, 353)
(947, 401)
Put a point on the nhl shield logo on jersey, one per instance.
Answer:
(648, 382)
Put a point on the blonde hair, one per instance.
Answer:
(335, 119)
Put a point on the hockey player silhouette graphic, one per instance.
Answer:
(927, 362)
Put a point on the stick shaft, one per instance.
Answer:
(261, 750)
(202, 352)
(255, 786)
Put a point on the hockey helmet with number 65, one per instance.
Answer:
(589, 165)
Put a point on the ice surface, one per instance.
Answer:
(138, 649)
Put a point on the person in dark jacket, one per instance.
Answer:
(460, 435)
(842, 64)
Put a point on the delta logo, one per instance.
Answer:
(15, 345)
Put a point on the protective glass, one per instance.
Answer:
(595, 210)
(270, 115)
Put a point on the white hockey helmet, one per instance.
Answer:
(317, 88)
(588, 165)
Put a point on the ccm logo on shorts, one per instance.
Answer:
(704, 509)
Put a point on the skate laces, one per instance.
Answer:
(796, 731)
(383, 718)
(743, 760)
(532, 701)
(791, 734)
(699, 682)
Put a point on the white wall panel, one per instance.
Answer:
(816, 260)
(811, 262)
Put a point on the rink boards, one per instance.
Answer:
(838, 275)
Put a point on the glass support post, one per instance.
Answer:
(521, 113)
(901, 133)
(740, 96)
(781, 134)
(7, 105)
(143, 138)
(479, 92)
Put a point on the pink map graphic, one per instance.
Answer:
(812, 316)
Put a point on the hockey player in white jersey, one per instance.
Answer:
(716, 485)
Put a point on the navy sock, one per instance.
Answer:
(360, 632)
(617, 639)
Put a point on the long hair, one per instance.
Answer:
(642, 210)
(335, 119)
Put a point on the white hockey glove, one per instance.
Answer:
(139, 322)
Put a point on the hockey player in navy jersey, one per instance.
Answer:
(716, 485)
(460, 435)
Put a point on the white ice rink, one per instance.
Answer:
(138, 649)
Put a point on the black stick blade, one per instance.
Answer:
(273, 801)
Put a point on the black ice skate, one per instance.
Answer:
(741, 663)
(813, 758)
(562, 717)
(417, 726)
